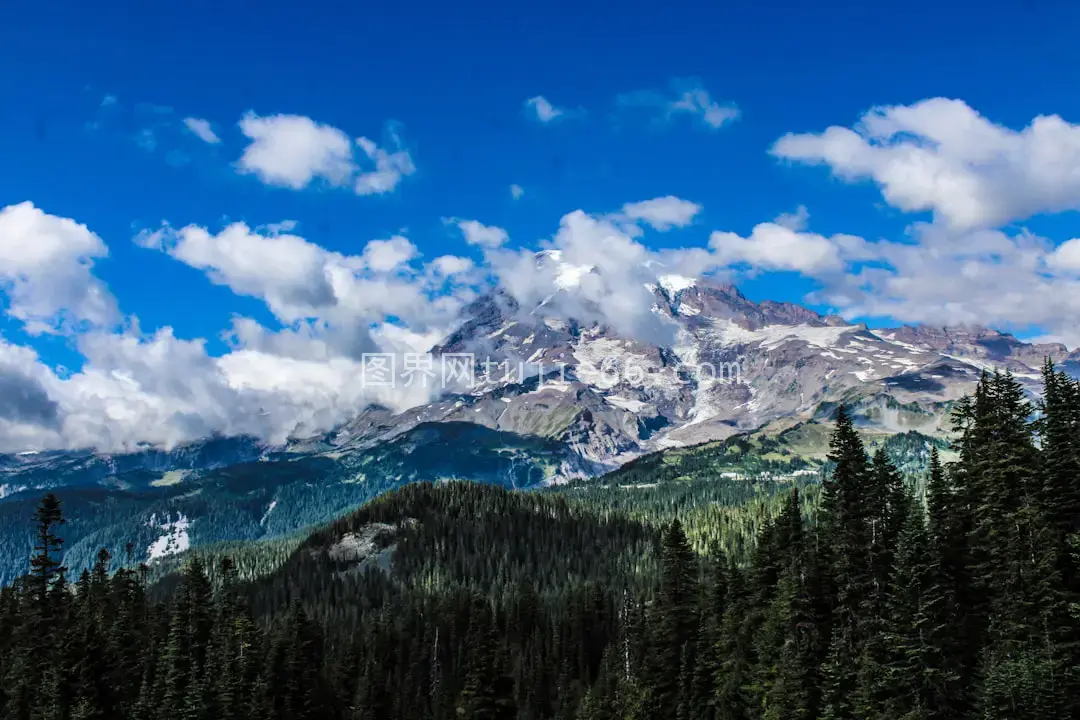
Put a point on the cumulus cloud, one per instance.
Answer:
(984, 277)
(941, 156)
(517, 192)
(477, 233)
(156, 388)
(25, 401)
(300, 280)
(686, 97)
(935, 274)
(1066, 256)
(772, 246)
(46, 270)
(285, 270)
(593, 270)
(387, 255)
(293, 151)
(202, 129)
(451, 265)
(663, 213)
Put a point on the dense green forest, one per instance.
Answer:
(859, 599)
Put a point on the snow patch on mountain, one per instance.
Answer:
(687, 310)
(501, 330)
(10, 489)
(728, 334)
(273, 504)
(556, 324)
(676, 283)
(890, 337)
(604, 362)
(175, 539)
(567, 275)
(628, 404)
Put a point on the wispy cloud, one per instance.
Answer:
(202, 130)
(544, 111)
(476, 233)
(685, 98)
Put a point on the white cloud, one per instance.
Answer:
(387, 255)
(301, 281)
(984, 277)
(160, 389)
(697, 101)
(543, 110)
(517, 192)
(797, 220)
(935, 275)
(663, 213)
(593, 270)
(286, 271)
(293, 151)
(476, 233)
(687, 97)
(46, 270)
(451, 265)
(1066, 256)
(775, 247)
(941, 156)
(390, 168)
(202, 130)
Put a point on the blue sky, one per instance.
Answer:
(96, 94)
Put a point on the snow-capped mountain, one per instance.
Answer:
(733, 366)
(551, 398)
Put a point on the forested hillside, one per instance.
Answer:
(466, 601)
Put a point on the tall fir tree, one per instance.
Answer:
(800, 612)
(846, 514)
(674, 622)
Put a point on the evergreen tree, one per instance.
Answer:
(798, 625)
(710, 622)
(45, 566)
(734, 650)
(846, 511)
(674, 623)
(488, 691)
(919, 674)
(1059, 435)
